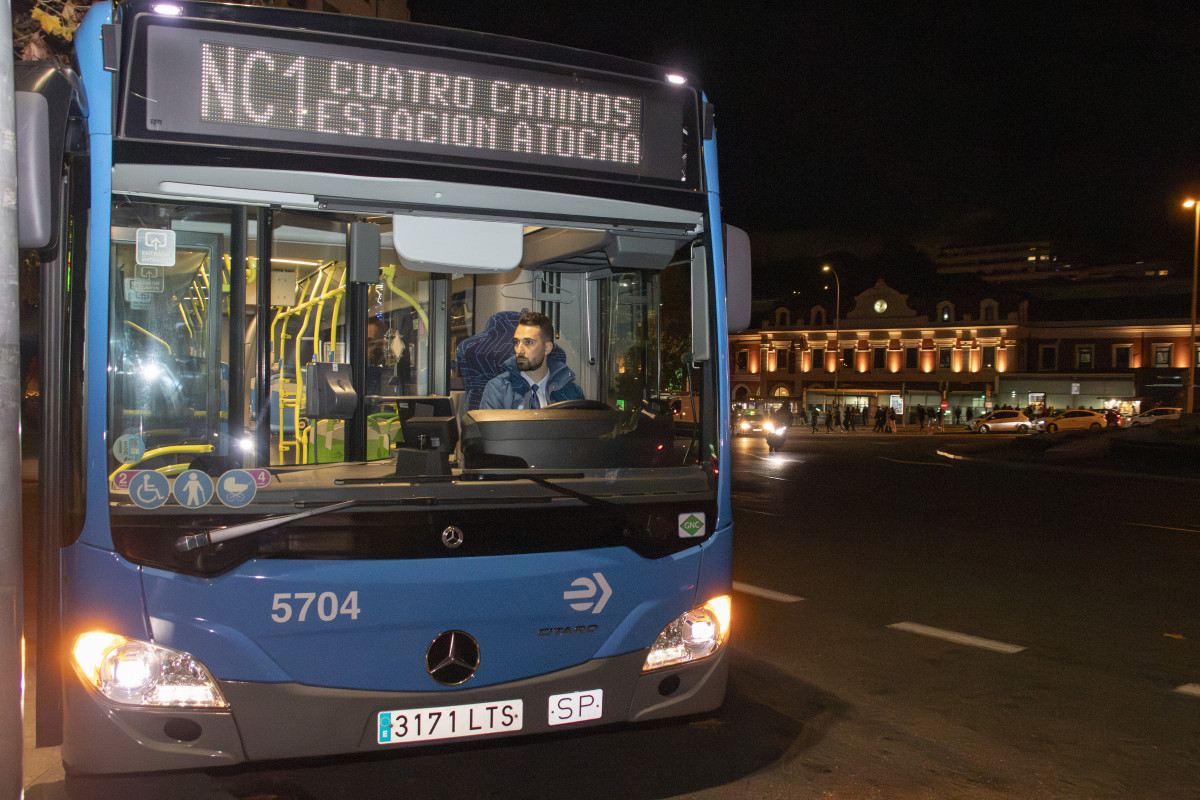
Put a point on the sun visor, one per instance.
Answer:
(441, 244)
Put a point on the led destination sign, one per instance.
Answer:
(379, 101)
(285, 92)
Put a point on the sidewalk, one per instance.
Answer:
(912, 429)
(44, 778)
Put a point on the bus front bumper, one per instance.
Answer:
(288, 720)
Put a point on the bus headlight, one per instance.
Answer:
(143, 673)
(692, 636)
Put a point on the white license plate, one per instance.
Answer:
(449, 722)
(566, 709)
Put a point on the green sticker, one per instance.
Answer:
(691, 525)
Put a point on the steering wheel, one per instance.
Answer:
(581, 404)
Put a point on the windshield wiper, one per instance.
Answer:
(591, 500)
(186, 543)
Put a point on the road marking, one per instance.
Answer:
(760, 513)
(1190, 688)
(769, 594)
(918, 463)
(957, 638)
(954, 456)
(1163, 527)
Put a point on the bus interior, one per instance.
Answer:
(353, 352)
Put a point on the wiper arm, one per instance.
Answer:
(591, 500)
(186, 543)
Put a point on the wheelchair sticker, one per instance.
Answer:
(236, 488)
(149, 489)
(193, 489)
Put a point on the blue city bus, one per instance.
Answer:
(283, 254)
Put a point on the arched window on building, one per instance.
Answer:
(783, 318)
(945, 311)
(818, 317)
(989, 311)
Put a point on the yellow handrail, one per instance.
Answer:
(389, 273)
(163, 451)
(151, 335)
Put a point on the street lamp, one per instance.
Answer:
(1191, 380)
(837, 323)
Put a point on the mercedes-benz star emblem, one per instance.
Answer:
(452, 658)
(452, 537)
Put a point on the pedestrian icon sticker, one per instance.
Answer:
(236, 488)
(149, 489)
(193, 489)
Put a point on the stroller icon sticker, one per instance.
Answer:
(236, 488)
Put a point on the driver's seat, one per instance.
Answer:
(481, 357)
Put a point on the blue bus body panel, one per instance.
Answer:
(104, 593)
(376, 639)
(99, 86)
(717, 234)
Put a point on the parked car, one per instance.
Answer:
(1072, 419)
(1154, 415)
(1001, 421)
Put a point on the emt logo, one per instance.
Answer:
(587, 590)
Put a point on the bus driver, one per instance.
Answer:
(528, 380)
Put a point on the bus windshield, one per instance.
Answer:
(267, 388)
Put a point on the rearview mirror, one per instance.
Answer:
(439, 244)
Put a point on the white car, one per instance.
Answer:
(1071, 419)
(1154, 415)
(1002, 420)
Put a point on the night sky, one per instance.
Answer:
(872, 131)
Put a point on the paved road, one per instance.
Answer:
(907, 625)
(1091, 572)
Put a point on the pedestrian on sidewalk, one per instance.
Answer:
(816, 416)
(850, 415)
(829, 417)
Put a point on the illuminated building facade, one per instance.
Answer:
(974, 350)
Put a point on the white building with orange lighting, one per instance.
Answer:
(975, 350)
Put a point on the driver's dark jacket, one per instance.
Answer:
(509, 389)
